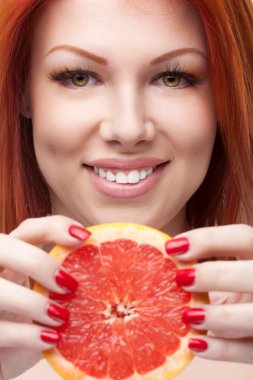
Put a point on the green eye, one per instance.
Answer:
(80, 79)
(171, 80)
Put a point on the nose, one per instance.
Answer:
(128, 125)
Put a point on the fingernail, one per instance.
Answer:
(57, 312)
(66, 281)
(49, 336)
(197, 344)
(177, 246)
(194, 315)
(185, 277)
(79, 233)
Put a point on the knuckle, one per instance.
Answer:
(210, 275)
(36, 260)
(205, 240)
(59, 226)
(248, 230)
(15, 334)
(218, 274)
(225, 319)
(26, 223)
(23, 227)
(224, 352)
(42, 267)
(58, 223)
(3, 236)
(59, 218)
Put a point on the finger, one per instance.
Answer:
(27, 259)
(229, 276)
(224, 321)
(232, 241)
(57, 229)
(27, 336)
(222, 349)
(33, 305)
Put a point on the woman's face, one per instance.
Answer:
(124, 109)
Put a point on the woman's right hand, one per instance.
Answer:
(21, 257)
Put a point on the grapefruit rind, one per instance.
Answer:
(173, 366)
(141, 234)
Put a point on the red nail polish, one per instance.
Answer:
(79, 233)
(57, 312)
(177, 246)
(185, 277)
(197, 344)
(66, 281)
(194, 315)
(49, 336)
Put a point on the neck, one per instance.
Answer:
(177, 225)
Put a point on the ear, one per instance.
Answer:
(25, 102)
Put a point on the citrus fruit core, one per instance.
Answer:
(126, 314)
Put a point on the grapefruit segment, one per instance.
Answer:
(94, 281)
(121, 364)
(117, 258)
(126, 315)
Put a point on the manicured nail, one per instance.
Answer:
(66, 281)
(57, 312)
(49, 336)
(79, 233)
(194, 315)
(177, 246)
(197, 344)
(185, 277)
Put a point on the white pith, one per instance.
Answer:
(134, 176)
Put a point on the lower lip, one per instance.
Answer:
(116, 190)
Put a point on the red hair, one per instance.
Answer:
(23, 192)
(225, 195)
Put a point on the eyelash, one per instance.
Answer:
(66, 75)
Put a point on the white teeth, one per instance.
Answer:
(121, 178)
(143, 174)
(110, 176)
(149, 171)
(134, 176)
(101, 173)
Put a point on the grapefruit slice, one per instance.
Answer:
(126, 315)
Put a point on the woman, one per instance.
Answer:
(156, 96)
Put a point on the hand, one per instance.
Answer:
(20, 256)
(229, 317)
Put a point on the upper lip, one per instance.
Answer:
(127, 164)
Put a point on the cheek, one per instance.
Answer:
(60, 123)
(188, 120)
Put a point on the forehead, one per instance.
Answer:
(119, 25)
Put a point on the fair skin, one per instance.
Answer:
(125, 114)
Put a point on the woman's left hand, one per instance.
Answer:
(229, 317)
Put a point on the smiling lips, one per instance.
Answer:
(120, 165)
(130, 178)
(125, 172)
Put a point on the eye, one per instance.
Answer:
(171, 79)
(75, 78)
(80, 79)
(176, 77)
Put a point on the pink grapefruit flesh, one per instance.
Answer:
(126, 314)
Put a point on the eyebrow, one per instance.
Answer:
(103, 61)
